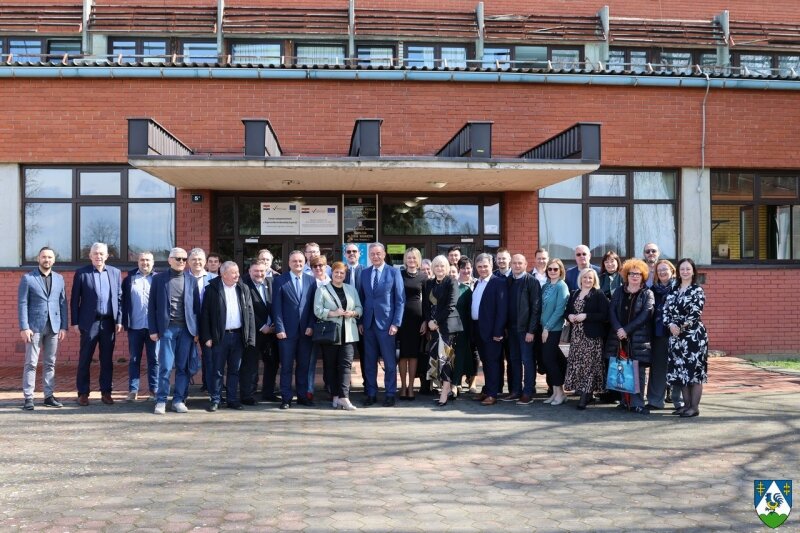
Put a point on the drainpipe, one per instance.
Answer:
(351, 29)
(724, 50)
(604, 16)
(220, 35)
(87, 11)
(479, 41)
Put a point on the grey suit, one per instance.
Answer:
(45, 314)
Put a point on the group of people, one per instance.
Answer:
(435, 321)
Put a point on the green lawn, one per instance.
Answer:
(791, 364)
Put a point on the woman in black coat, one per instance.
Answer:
(587, 311)
(629, 313)
(443, 321)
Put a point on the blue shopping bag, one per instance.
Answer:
(623, 375)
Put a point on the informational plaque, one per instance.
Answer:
(319, 220)
(360, 219)
(280, 218)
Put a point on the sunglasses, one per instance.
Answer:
(318, 266)
(651, 251)
(351, 252)
(556, 269)
(580, 254)
(180, 259)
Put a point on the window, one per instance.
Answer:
(258, 52)
(768, 63)
(675, 61)
(436, 55)
(635, 60)
(146, 50)
(375, 55)
(71, 208)
(755, 216)
(199, 52)
(434, 215)
(320, 54)
(57, 49)
(34, 49)
(619, 210)
(525, 56)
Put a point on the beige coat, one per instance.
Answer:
(325, 300)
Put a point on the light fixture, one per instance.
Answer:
(410, 203)
(438, 184)
(403, 210)
(421, 198)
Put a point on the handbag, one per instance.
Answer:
(623, 373)
(327, 331)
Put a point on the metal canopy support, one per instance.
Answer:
(220, 33)
(604, 16)
(351, 28)
(473, 140)
(260, 139)
(366, 138)
(581, 141)
(479, 42)
(724, 50)
(147, 137)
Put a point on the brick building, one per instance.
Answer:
(124, 123)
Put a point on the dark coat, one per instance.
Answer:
(214, 312)
(638, 327)
(444, 313)
(493, 310)
(525, 318)
(596, 308)
(83, 301)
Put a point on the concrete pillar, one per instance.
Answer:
(10, 226)
(694, 213)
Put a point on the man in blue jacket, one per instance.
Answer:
(135, 297)
(489, 312)
(42, 312)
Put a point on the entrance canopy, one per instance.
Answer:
(464, 164)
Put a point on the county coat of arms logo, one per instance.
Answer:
(773, 500)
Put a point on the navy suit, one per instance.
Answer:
(383, 307)
(571, 278)
(175, 340)
(138, 339)
(292, 314)
(96, 328)
(492, 317)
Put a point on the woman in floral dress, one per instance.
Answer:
(688, 342)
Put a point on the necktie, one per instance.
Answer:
(261, 291)
(297, 285)
(374, 278)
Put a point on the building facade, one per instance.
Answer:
(246, 124)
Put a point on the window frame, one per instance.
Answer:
(437, 51)
(628, 201)
(341, 44)
(181, 42)
(654, 54)
(581, 49)
(45, 43)
(754, 204)
(229, 44)
(736, 58)
(77, 201)
(357, 61)
(139, 46)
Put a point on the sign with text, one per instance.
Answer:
(360, 219)
(280, 218)
(319, 220)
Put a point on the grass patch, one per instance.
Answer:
(789, 364)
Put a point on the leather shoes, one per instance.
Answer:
(248, 401)
(480, 397)
(489, 400)
(52, 401)
(524, 400)
(389, 401)
(285, 405)
(236, 406)
(106, 398)
(83, 400)
(369, 400)
(213, 406)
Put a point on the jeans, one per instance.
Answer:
(523, 369)
(228, 352)
(174, 346)
(103, 333)
(138, 340)
(48, 339)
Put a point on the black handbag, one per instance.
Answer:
(327, 332)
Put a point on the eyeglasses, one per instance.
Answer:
(651, 251)
(318, 266)
(180, 259)
(555, 269)
(634, 273)
(580, 254)
(351, 251)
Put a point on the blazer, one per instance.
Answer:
(446, 314)
(83, 300)
(354, 273)
(571, 277)
(261, 307)
(326, 300)
(493, 309)
(214, 312)
(638, 329)
(292, 312)
(127, 285)
(35, 307)
(595, 306)
(554, 303)
(385, 304)
(158, 305)
(525, 318)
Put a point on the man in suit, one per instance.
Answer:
(524, 310)
(311, 251)
(42, 313)
(197, 268)
(260, 287)
(135, 296)
(97, 315)
(488, 312)
(383, 298)
(172, 320)
(293, 315)
(650, 254)
(582, 258)
(352, 257)
(503, 259)
(227, 326)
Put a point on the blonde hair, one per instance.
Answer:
(589, 270)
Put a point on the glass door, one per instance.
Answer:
(396, 250)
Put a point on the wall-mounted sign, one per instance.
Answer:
(319, 220)
(360, 219)
(291, 218)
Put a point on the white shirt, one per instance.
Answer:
(541, 278)
(233, 315)
(477, 294)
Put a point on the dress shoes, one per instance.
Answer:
(28, 405)
(369, 400)
(106, 398)
(285, 405)
(83, 400)
(52, 401)
(235, 405)
(585, 400)
(653, 407)
(389, 401)
(510, 398)
(559, 401)
(689, 413)
(212, 407)
(525, 400)
(248, 401)
(489, 400)
(306, 402)
(480, 397)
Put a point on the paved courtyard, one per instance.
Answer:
(415, 467)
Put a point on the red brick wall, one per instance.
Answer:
(193, 220)
(520, 219)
